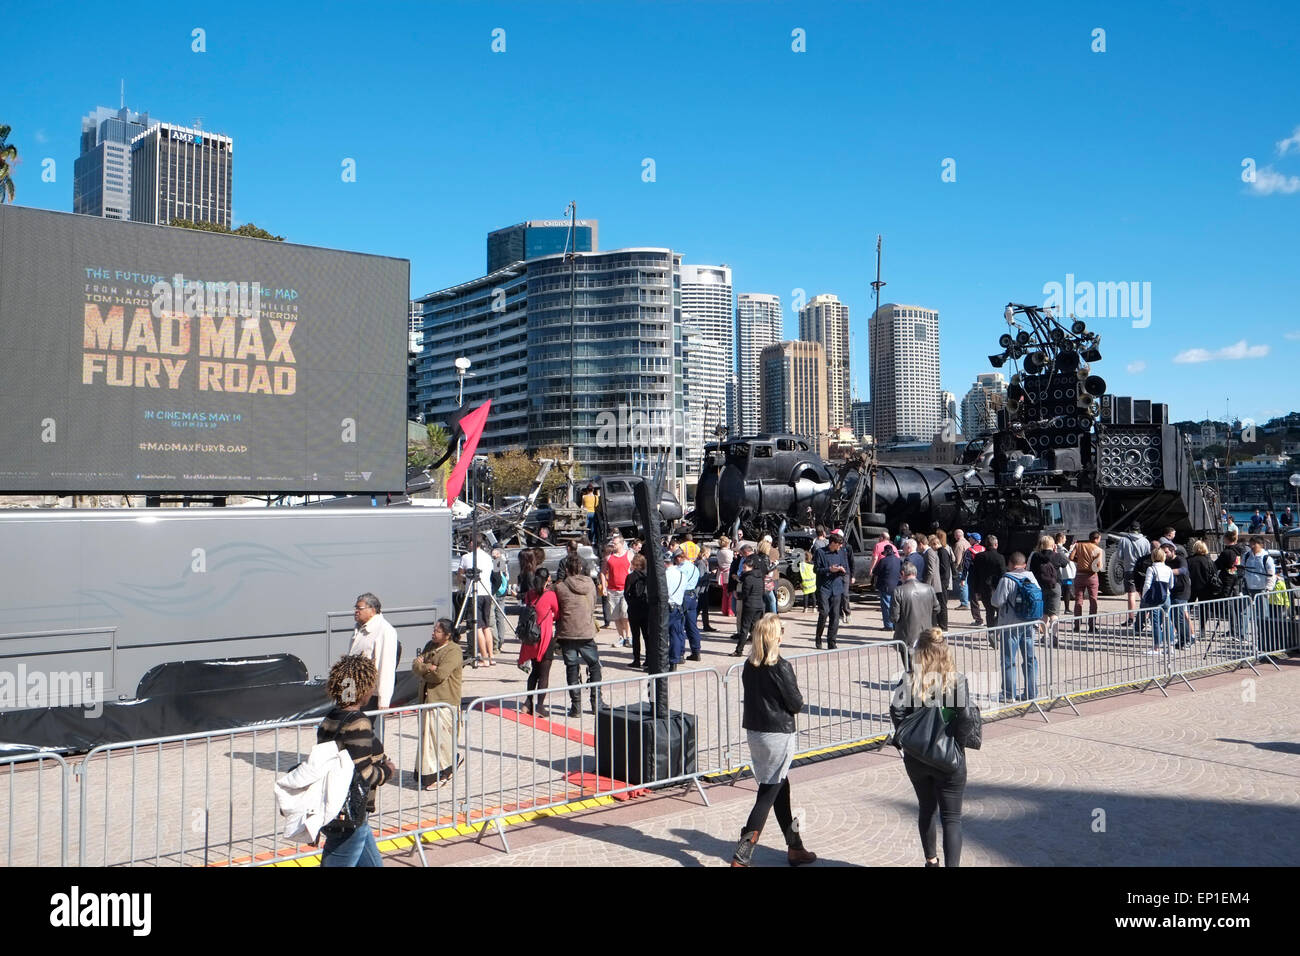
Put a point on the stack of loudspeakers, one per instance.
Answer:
(1054, 397)
(1138, 457)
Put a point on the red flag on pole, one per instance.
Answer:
(472, 424)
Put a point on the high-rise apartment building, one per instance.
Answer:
(539, 237)
(702, 369)
(978, 408)
(707, 304)
(101, 176)
(758, 325)
(609, 382)
(825, 319)
(181, 173)
(904, 346)
(414, 326)
(794, 392)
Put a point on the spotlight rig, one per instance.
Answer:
(1053, 398)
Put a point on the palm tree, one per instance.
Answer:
(8, 155)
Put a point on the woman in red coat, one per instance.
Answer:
(537, 658)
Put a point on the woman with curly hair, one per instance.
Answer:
(351, 682)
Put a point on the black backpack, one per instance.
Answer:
(528, 629)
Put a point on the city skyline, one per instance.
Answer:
(969, 222)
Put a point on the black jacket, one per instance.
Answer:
(772, 697)
(751, 582)
(965, 726)
(986, 570)
(1205, 577)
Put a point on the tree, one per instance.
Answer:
(247, 229)
(421, 454)
(8, 158)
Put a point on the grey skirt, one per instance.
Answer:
(770, 754)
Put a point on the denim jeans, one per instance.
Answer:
(691, 608)
(357, 848)
(676, 634)
(1181, 625)
(964, 592)
(887, 609)
(1022, 639)
(769, 601)
(1159, 617)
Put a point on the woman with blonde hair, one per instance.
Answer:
(772, 699)
(725, 557)
(933, 681)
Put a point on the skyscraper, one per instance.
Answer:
(904, 346)
(536, 238)
(980, 404)
(706, 303)
(702, 371)
(948, 407)
(825, 319)
(794, 392)
(101, 176)
(181, 173)
(861, 419)
(618, 385)
(758, 325)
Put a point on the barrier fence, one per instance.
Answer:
(208, 799)
(529, 751)
(846, 695)
(33, 822)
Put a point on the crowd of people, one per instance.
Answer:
(916, 577)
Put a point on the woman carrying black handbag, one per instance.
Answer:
(935, 722)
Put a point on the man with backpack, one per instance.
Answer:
(1019, 601)
(1130, 547)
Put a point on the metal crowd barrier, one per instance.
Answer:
(208, 798)
(517, 763)
(846, 695)
(30, 821)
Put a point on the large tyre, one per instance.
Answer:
(1112, 579)
(785, 592)
(873, 518)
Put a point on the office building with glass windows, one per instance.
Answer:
(101, 175)
(758, 325)
(538, 237)
(825, 319)
(703, 369)
(905, 390)
(794, 392)
(181, 173)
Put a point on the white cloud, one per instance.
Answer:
(1284, 146)
(1134, 367)
(40, 136)
(1291, 335)
(1269, 181)
(1230, 352)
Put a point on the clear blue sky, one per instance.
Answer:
(1123, 165)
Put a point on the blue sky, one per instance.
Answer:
(1117, 166)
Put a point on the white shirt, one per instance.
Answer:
(377, 640)
(484, 586)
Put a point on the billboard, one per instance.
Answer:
(137, 358)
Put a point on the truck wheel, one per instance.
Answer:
(873, 518)
(1112, 579)
(785, 592)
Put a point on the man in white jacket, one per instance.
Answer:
(375, 638)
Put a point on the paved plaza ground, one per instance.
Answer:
(1201, 778)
